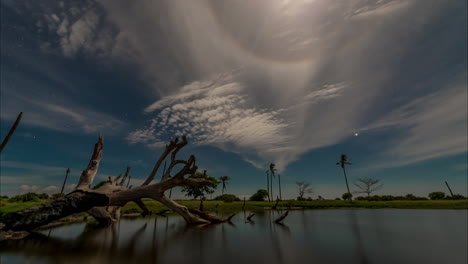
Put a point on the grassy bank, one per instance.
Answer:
(225, 208)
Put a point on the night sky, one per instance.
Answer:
(296, 83)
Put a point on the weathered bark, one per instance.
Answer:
(12, 130)
(113, 195)
(31, 218)
(87, 176)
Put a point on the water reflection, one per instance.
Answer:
(319, 236)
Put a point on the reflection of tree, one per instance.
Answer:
(95, 244)
(361, 251)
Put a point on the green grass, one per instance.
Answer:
(232, 207)
(8, 207)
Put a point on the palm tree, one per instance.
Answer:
(224, 180)
(268, 183)
(343, 161)
(272, 174)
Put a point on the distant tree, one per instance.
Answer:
(347, 196)
(227, 198)
(224, 180)
(272, 170)
(368, 185)
(437, 195)
(320, 198)
(303, 188)
(344, 161)
(260, 195)
(268, 184)
(200, 191)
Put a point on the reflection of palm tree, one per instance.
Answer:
(343, 161)
(224, 180)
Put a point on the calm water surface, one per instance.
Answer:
(308, 236)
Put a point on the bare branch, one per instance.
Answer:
(12, 130)
(125, 176)
(250, 216)
(281, 218)
(166, 152)
(142, 206)
(87, 176)
(211, 218)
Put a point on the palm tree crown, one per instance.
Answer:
(224, 180)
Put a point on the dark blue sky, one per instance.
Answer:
(296, 83)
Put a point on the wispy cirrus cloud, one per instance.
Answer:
(428, 127)
(66, 116)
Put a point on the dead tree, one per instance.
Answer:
(83, 198)
(303, 188)
(368, 185)
(280, 219)
(12, 130)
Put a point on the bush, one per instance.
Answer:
(347, 196)
(437, 195)
(25, 197)
(301, 198)
(43, 196)
(227, 198)
(260, 195)
(337, 198)
(56, 196)
(456, 197)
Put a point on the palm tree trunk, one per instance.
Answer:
(346, 179)
(271, 187)
(268, 185)
(279, 183)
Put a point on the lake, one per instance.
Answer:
(307, 236)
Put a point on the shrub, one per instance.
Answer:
(25, 197)
(347, 196)
(56, 196)
(437, 195)
(456, 197)
(43, 196)
(227, 198)
(260, 195)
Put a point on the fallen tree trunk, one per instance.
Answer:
(83, 198)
